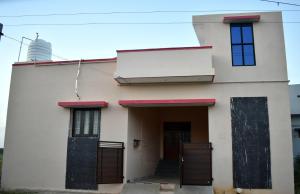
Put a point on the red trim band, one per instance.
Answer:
(82, 104)
(165, 49)
(243, 18)
(168, 102)
(64, 62)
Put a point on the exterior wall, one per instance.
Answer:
(268, 43)
(31, 90)
(165, 63)
(37, 128)
(144, 125)
(220, 124)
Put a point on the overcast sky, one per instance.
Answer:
(100, 41)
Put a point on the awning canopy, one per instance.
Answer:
(168, 102)
(83, 104)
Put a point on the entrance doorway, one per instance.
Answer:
(173, 145)
(174, 133)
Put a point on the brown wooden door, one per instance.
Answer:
(174, 132)
(171, 148)
(196, 164)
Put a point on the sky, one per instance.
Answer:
(101, 41)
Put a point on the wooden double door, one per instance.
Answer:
(174, 133)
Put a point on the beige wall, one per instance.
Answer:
(34, 141)
(165, 63)
(220, 124)
(144, 125)
(37, 129)
(268, 41)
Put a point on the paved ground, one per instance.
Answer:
(194, 190)
(141, 188)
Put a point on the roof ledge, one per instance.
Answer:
(241, 19)
(83, 104)
(168, 102)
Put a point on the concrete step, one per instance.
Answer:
(167, 187)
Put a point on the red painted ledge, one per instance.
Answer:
(243, 18)
(64, 62)
(165, 49)
(168, 102)
(83, 104)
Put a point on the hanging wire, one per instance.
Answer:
(281, 2)
(150, 12)
(133, 23)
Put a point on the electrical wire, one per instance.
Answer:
(131, 23)
(14, 39)
(281, 2)
(76, 80)
(145, 12)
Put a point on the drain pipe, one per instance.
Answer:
(76, 81)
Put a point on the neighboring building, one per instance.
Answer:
(295, 112)
(159, 109)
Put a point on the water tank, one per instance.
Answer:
(39, 50)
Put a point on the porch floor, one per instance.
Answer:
(159, 179)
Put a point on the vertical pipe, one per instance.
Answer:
(20, 49)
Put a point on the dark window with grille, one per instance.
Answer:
(242, 44)
(297, 132)
(86, 122)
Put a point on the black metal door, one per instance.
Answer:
(82, 163)
(196, 164)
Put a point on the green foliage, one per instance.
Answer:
(297, 174)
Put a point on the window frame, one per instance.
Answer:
(242, 44)
(90, 134)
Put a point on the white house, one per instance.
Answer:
(216, 114)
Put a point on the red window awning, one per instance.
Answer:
(243, 18)
(168, 102)
(82, 104)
